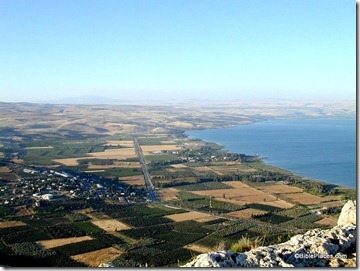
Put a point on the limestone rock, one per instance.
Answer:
(348, 213)
(315, 248)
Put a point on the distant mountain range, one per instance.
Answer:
(86, 99)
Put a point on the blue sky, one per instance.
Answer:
(177, 49)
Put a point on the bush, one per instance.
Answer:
(246, 244)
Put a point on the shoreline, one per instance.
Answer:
(263, 158)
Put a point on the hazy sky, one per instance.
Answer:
(152, 49)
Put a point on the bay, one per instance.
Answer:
(320, 149)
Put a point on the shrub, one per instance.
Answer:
(245, 244)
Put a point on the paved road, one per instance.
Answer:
(150, 187)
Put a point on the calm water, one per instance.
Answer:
(319, 149)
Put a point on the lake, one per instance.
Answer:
(320, 149)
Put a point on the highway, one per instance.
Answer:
(150, 187)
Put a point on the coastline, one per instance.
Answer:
(264, 158)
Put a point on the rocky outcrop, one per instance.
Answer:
(316, 248)
(348, 213)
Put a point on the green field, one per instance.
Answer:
(161, 158)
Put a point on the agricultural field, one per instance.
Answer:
(95, 258)
(150, 149)
(331, 222)
(168, 194)
(207, 201)
(45, 155)
(196, 216)
(119, 154)
(120, 143)
(10, 224)
(5, 170)
(240, 194)
(161, 158)
(246, 213)
(279, 188)
(307, 199)
(133, 180)
(62, 241)
(110, 225)
(117, 164)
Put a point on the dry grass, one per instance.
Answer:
(331, 198)
(304, 198)
(110, 225)
(95, 258)
(198, 248)
(5, 170)
(69, 161)
(207, 169)
(203, 169)
(46, 244)
(200, 217)
(97, 216)
(168, 142)
(279, 188)
(333, 203)
(120, 142)
(17, 161)
(9, 224)
(169, 193)
(242, 194)
(231, 169)
(246, 213)
(327, 222)
(149, 149)
(133, 180)
(116, 165)
(179, 166)
(279, 203)
(120, 154)
(245, 244)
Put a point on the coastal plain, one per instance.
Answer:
(74, 192)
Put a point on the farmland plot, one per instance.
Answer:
(197, 216)
(306, 198)
(242, 194)
(279, 188)
(110, 225)
(9, 224)
(46, 244)
(94, 258)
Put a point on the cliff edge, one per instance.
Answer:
(334, 247)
